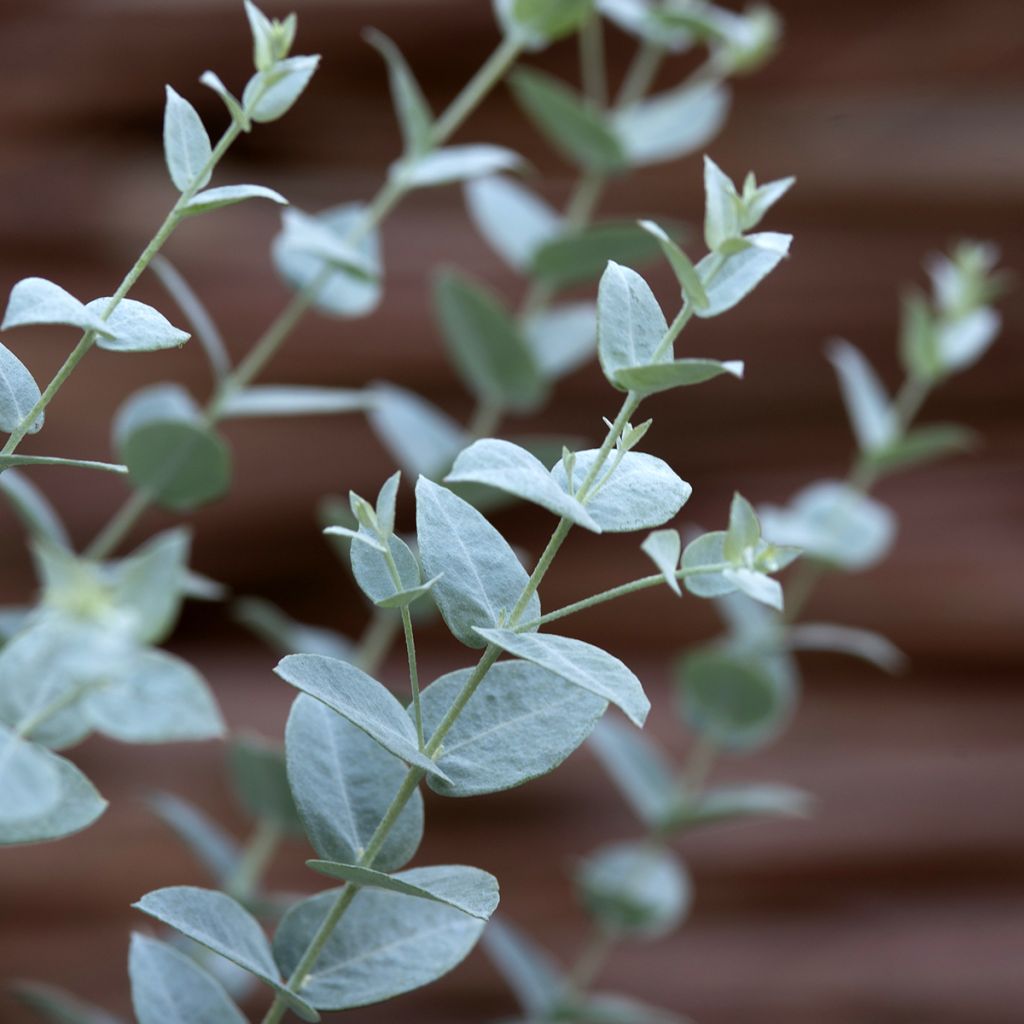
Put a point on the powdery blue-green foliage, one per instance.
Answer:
(86, 657)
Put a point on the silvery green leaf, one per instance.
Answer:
(169, 987)
(919, 341)
(315, 236)
(630, 323)
(212, 81)
(36, 513)
(387, 498)
(744, 530)
(707, 550)
(30, 784)
(759, 199)
(638, 17)
(521, 723)
(639, 770)
(576, 129)
(34, 300)
(834, 522)
(344, 293)
(18, 393)
(57, 1006)
(685, 271)
(514, 221)
(561, 338)
(733, 280)
(923, 444)
(228, 195)
(756, 585)
(259, 779)
(422, 438)
(664, 547)
(672, 124)
(530, 42)
(579, 663)
(860, 643)
(415, 117)
(187, 147)
(201, 587)
(405, 597)
(486, 345)
(343, 783)
(643, 492)
(210, 844)
(78, 806)
(551, 20)
(8, 461)
(581, 254)
(13, 619)
(481, 577)
(196, 313)
(509, 468)
(359, 699)
(262, 29)
(655, 377)
(286, 635)
(470, 890)
(293, 400)
(727, 803)
(169, 451)
(270, 94)
(149, 585)
(218, 922)
(153, 697)
(530, 972)
(372, 573)
(721, 207)
(391, 943)
(962, 341)
(635, 889)
(455, 163)
(874, 421)
(740, 700)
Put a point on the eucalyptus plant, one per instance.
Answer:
(357, 755)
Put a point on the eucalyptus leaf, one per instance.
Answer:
(486, 346)
(834, 522)
(481, 577)
(53, 1004)
(738, 802)
(34, 300)
(672, 124)
(212, 81)
(415, 117)
(18, 393)
(259, 778)
(756, 585)
(643, 491)
(221, 924)
(293, 400)
(860, 643)
(635, 889)
(961, 341)
(655, 377)
(9, 461)
(578, 663)
(509, 468)
(343, 783)
(455, 163)
(421, 438)
(31, 782)
(682, 267)
(153, 697)
(639, 770)
(187, 148)
(228, 195)
(630, 323)
(360, 699)
(38, 516)
(707, 550)
(514, 221)
(872, 417)
(922, 445)
(391, 943)
(562, 338)
(370, 568)
(340, 293)
(577, 130)
(664, 548)
(270, 94)
(470, 890)
(727, 282)
(210, 844)
(519, 724)
(551, 20)
(169, 987)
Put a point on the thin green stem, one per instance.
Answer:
(376, 640)
(414, 679)
(485, 420)
(699, 763)
(592, 63)
(596, 950)
(640, 75)
(256, 856)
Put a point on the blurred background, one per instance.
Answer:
(902, 899)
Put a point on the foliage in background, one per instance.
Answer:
(85, 657)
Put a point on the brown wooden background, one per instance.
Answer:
(901, 901)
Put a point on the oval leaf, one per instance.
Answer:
(187, 147)
(18, 393)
